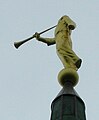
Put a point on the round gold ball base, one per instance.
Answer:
(68, 75)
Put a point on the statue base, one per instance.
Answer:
(68, 75)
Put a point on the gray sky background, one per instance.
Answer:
(28, 76)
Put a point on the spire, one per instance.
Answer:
(68, 105)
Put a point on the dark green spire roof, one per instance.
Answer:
(68, 105)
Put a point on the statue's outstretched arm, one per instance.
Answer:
(48, 41)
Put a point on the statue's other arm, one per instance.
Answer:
(48, 41)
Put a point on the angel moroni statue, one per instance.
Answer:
(68, 57)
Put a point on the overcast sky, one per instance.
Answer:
(28, 76)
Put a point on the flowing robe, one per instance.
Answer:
(64, 43)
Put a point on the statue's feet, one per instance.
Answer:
(78, 63)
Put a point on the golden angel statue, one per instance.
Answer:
(63, 43)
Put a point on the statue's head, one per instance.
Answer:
(63, 22)
(66, 20)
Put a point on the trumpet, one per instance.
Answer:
(18, 44)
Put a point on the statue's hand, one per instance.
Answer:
(36, 35)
